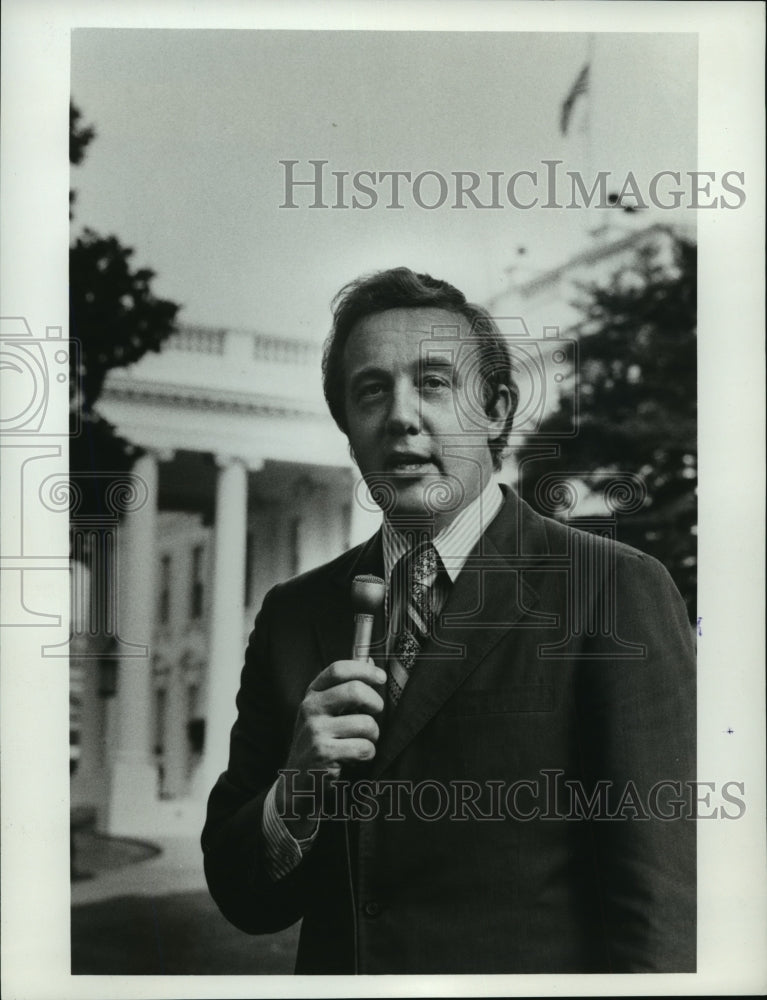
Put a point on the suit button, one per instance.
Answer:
(372, 909)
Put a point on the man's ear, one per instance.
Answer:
(498, 411)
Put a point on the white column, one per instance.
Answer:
(365, 514)
(133, 792)
(226, 619)
(85, 779)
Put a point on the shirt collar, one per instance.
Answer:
(454, 542)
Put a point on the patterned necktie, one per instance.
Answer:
(414, 574)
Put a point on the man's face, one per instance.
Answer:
(407, 395)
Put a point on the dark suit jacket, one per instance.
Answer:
(562, 660)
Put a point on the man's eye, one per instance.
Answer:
(370, 390)
(435, 382)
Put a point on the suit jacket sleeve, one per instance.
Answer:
(637, 729)
(232, 840)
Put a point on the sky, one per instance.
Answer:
(192, 125)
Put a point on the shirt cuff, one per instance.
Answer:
(283, 851)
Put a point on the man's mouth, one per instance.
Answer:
(408, 463)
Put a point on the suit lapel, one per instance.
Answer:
(489, 598)
(496, 590)
(334, 623)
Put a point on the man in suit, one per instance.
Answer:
(504, 785)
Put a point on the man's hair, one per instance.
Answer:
(401, 288)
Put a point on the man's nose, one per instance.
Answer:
(404, 415)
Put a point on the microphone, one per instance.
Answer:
(367, 597)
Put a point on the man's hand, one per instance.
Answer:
(336, 725)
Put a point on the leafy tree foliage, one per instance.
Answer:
(637, 403)
(114, 314)
(80, 136)
(115, 318)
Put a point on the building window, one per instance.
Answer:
(160, 712)
(196, 595)
(195, 728)
(160, 723)
(192, 701)
(165, 590)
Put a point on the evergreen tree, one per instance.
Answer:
(636, 392)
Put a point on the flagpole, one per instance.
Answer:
(588, 120)
(590, 215)
(582, 130)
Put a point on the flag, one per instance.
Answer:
(581, 86)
